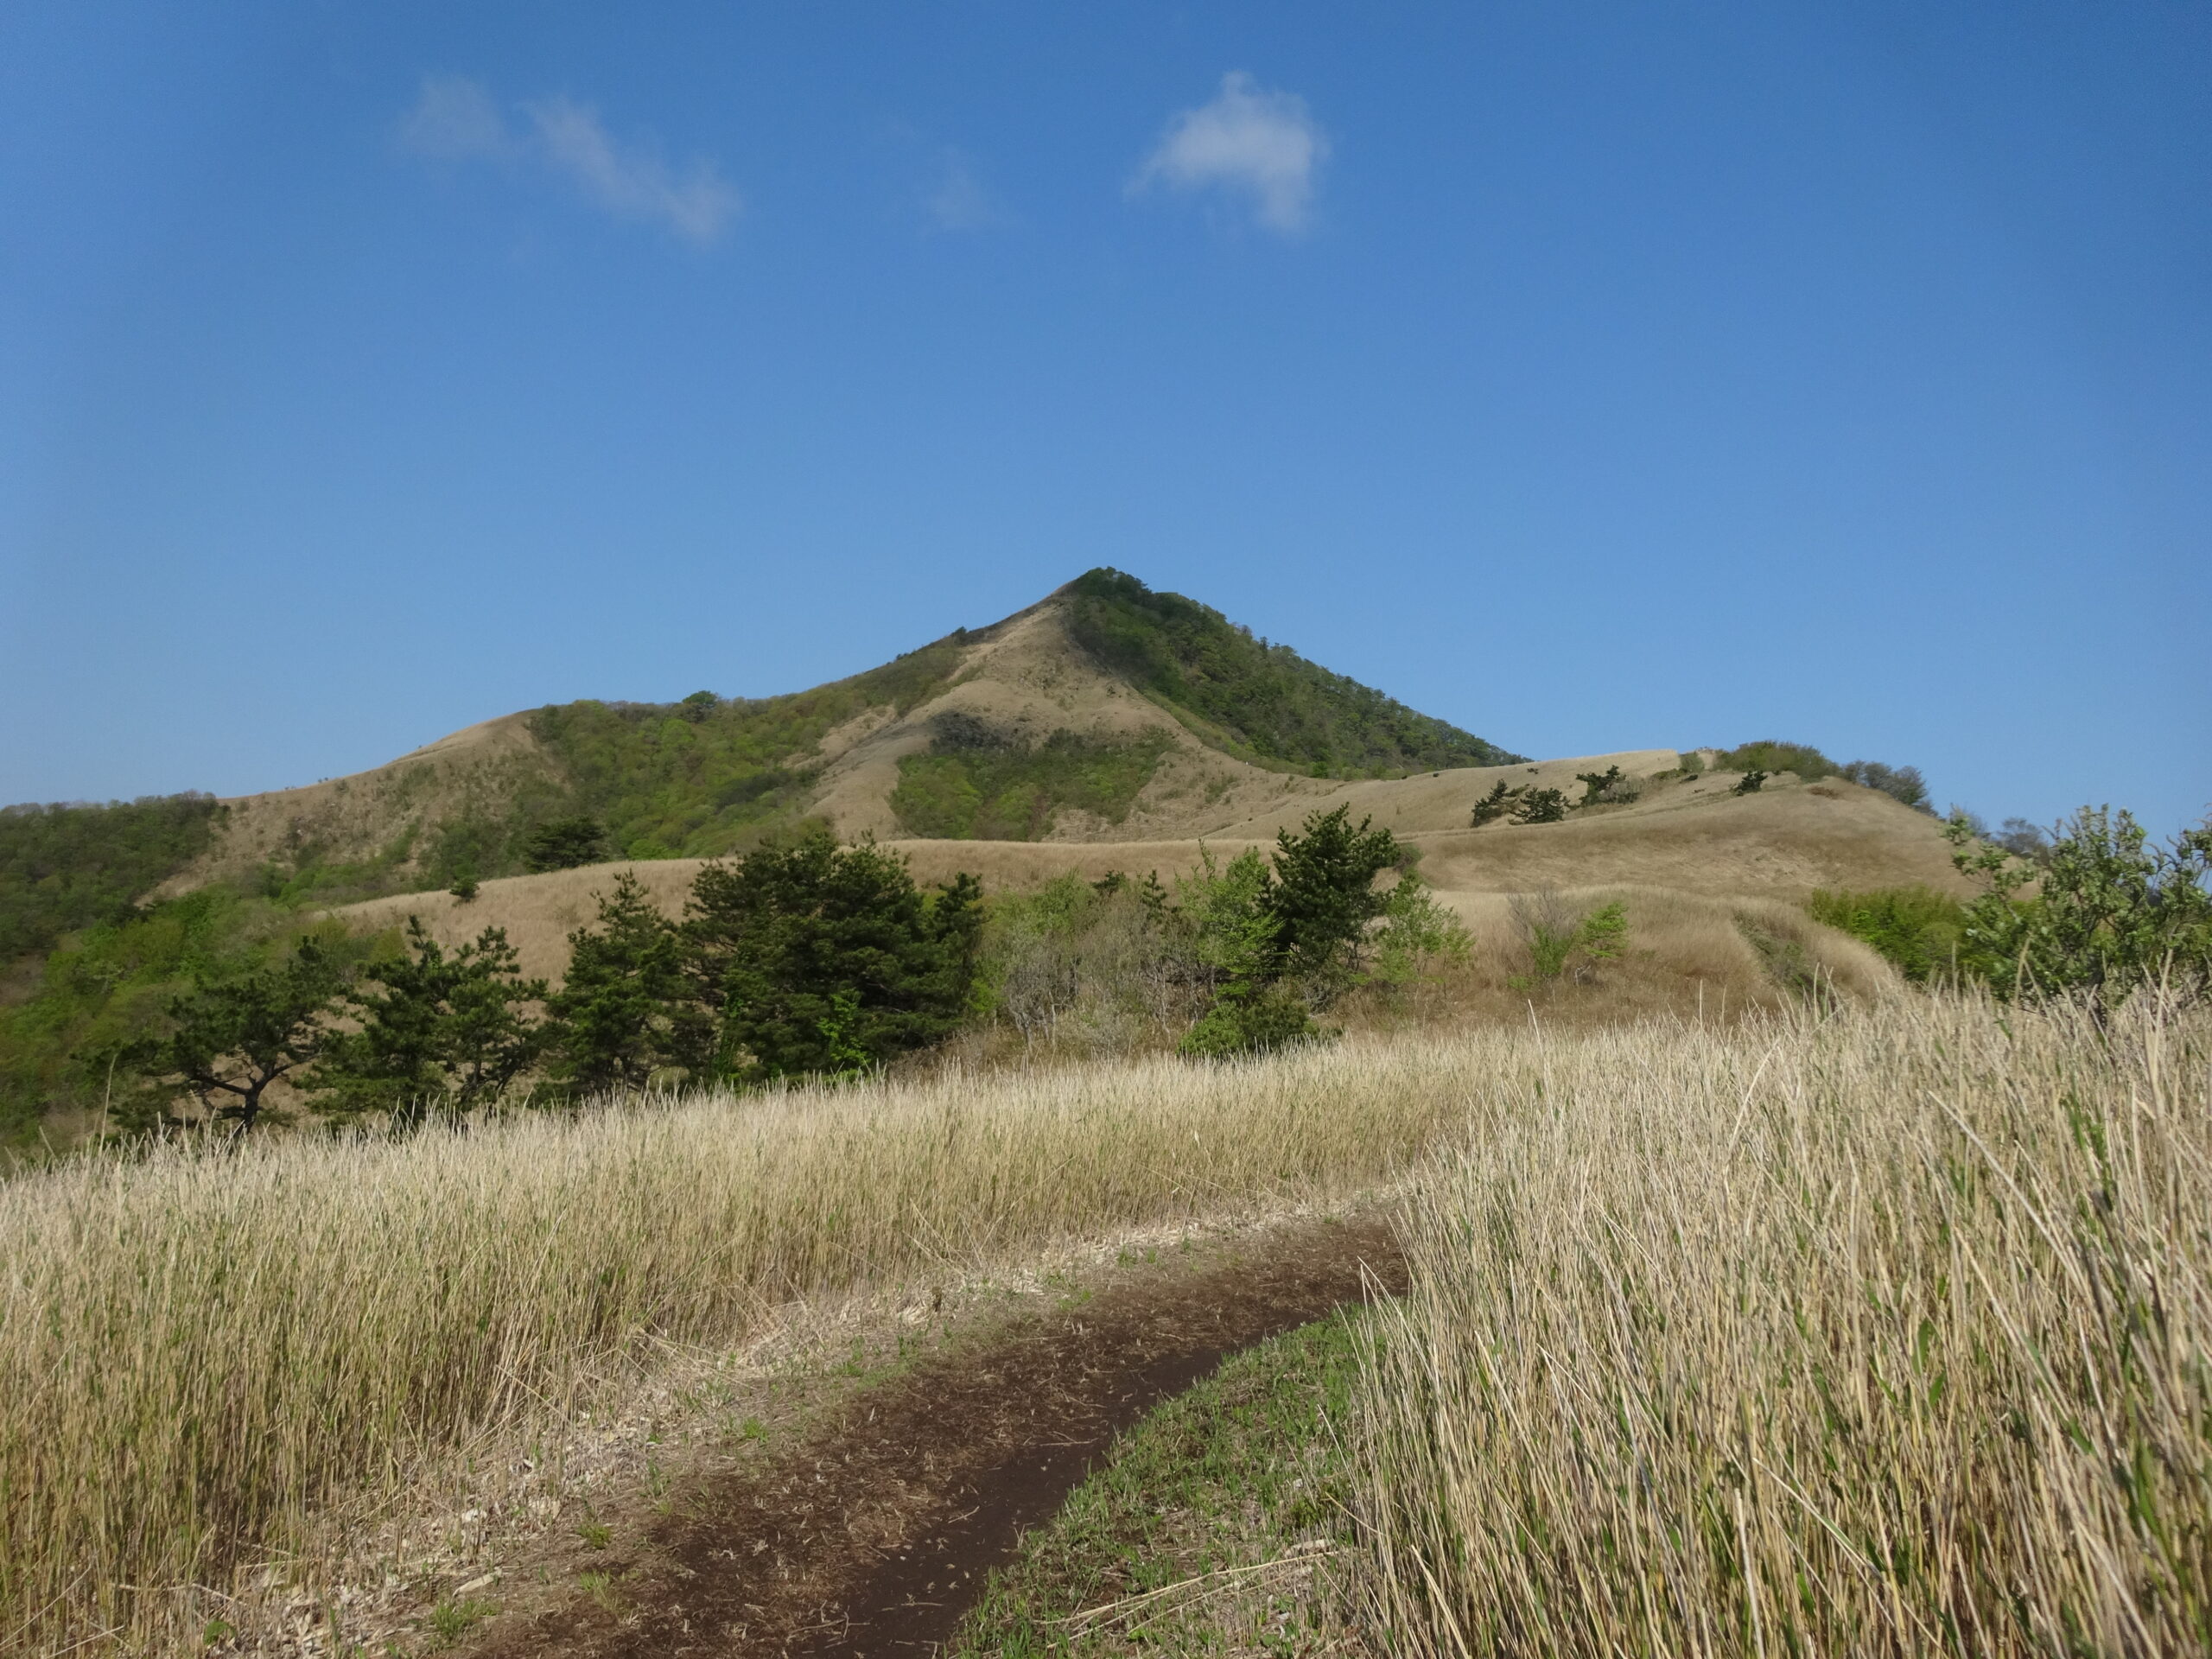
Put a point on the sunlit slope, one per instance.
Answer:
(1695, 839)
(1104, 712)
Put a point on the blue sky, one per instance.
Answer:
(1593, 376)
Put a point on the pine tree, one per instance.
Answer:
(626, 1010)
(240, 1029)
(814, 959)
(455, 1030)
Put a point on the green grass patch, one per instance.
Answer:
(964, 791)
(1918, 928)
(1243, 1470)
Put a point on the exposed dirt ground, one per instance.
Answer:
(875, 1535)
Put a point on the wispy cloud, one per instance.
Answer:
(1261, 147)
(958, 200)
(455, 119)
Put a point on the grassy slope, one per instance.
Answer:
(704, 777)
(1261, 703)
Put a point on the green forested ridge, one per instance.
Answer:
(1262, 701)
(63, 867)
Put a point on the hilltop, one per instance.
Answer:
(1104, 712)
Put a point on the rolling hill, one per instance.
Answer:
(1104, 712)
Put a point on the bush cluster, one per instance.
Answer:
(975, 783)
(2091, 909)
(801, 959)
(1770, 755)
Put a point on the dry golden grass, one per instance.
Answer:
(1908, 1309)
(200, 1350)
(1890, 1335)
(1681, 879)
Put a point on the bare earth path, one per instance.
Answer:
(874, 1535)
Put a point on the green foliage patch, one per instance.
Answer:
(969, 788)
(63, 868)
(1918, 930)
(1263, 702)
(1772, 755)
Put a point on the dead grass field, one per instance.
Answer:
(1902, 1317)
(1889, 1337)
(201, 1350)
(1729, 854)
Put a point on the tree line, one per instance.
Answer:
(802, 959)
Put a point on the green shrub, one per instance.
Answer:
(1771, 755)
(1918, 931)
(1750, 784)
(1558, 937)
(975, 786)
(2109, 912)
(1265, 1019)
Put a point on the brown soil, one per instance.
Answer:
(874, 1535)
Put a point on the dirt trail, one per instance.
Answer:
(876, 1535)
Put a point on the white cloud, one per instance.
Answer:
(1253, 143)
(958, 201)
(629, 181)
(455, 119)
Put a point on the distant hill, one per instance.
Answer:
(1104, 711)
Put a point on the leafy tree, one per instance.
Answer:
(453, 1028)
(1324, 897)
(241, 1028)
(814, 959)
(565, 844)
(1227, 913)
(1414, 927)
(626, 1010)
(1541, 806)
(2110, 910)
(2022, 839)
